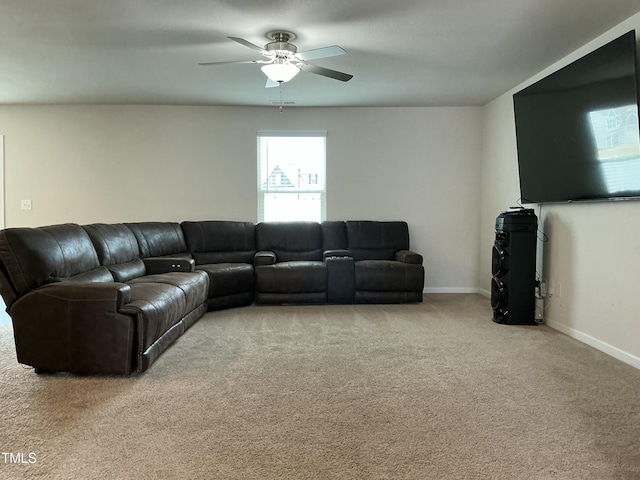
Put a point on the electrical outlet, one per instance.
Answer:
(25, 204)
(559, 290)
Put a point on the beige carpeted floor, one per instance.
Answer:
(429, 391)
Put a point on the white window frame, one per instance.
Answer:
(266, 189)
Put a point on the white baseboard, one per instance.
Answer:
(455, 290)
(615, 352)
(484, 292)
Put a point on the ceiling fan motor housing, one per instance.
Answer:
(280, 45)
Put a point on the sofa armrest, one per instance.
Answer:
(335, 253)
(113, 294)
(407, 256)
(76, 327)
(155, 265)
(264, 257)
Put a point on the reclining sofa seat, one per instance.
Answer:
(51, 280)
(386, 271)
(289, 266)
(164, 304)
(81, 309)
(225, 251)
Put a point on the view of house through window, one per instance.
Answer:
(291, 176)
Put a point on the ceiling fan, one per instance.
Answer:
(283, 61)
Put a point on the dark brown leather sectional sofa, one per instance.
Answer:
(110, 298)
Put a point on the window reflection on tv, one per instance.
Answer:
(617, 137)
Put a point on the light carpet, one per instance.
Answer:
(428, 391)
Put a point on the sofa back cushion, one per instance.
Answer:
(334, 235)
(290, 241)
(369, 240)
(220, 241)
(159, 239)
(32, 257)
(117, 249)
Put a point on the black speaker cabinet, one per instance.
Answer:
(513, 268)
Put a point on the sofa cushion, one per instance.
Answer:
(193, 285)
(334, 235)
(158, 307)
(117, 250)
(370, 240)
(115, 243)
(35, 256)
(159, 239)
(228, 278)
(290, 241)
(292, 277)
(220, 241)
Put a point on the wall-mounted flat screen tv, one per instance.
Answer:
(577, 129)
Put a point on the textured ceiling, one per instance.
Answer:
(402, 53)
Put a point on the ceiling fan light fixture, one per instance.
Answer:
(280, 71)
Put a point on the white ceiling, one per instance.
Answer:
(401, 53)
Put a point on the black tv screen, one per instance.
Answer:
(577, 129)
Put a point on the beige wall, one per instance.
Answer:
(593, 249)
(87, 164)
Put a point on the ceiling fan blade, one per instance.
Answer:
(270, 83)
(226, 63)
(324, 52)
(252, 46)
(326, 72)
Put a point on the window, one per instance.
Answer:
(291, 176)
